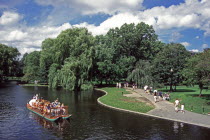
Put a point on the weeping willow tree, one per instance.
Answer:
(67, 77)
(73, 56)
(142, 75)
(53, 80)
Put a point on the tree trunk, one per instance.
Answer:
(201, 88)
(101, 81)
(171, 88)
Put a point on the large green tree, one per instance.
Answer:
(47, 57)
(72, 51)
(169, 63)
(142, 74)
(197, 70)
(32, 67)
(120, 49)
(8, 61)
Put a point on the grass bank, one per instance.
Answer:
(116, 99)
(190, 97)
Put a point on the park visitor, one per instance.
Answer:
(176, 103)
(182, 108)
(155, 96)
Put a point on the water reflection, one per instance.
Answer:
(176, 127)
(57, 126)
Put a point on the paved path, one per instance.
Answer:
(165, 110)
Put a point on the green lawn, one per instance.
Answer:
(190, 97)
(116, 99)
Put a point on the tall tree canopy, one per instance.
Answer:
(132, 51)
(67, 59)
(121, 48)
(169, 63)
(31, 67)
(142, 74)
(197, 70)
(8, 61)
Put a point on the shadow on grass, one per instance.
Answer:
(180, 90)
(204, 96)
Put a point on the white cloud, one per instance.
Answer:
(197, 37)
(205, 46)
(112, 22)
(16, 35)
(191, 14)
(186, 44)
(28, 39)
(194, 50)
(95, 6)
(168, 22)
(9, 18)
(163, 19)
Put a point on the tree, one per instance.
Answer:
(53, 80)
(197, 70)
(8, 61)
(31, 67)
(132, 40)
(121, 48)
(73, 57)
(169, 63)
(103, 65)
(47, 57)
(142, 74)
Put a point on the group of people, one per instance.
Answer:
(157, 94)
(177, 104)
(119, 85)
(54, 108)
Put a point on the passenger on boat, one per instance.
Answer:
(53, 110)
(48, 108)
(36, 97)
(63, 109)
(32, 102)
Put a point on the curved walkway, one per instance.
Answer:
(165, 110)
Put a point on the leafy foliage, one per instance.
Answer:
(31, 67)
(8, 61)
(142, 74)
(169, 63)
(197, 70)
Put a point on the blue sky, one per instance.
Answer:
(26, 23)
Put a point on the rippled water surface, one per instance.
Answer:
(89, 120)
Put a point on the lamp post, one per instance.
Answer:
(171, 79)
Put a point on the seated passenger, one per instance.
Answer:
(31, 102)
(63, 109)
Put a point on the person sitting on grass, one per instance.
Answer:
(160, 95)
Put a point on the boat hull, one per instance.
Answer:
(47, 117)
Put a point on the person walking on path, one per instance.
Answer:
(155, 96)
(176, 103)
(182, 108)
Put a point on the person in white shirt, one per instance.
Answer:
(176, 103)
(182, 108)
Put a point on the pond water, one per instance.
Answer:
(89, 119)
